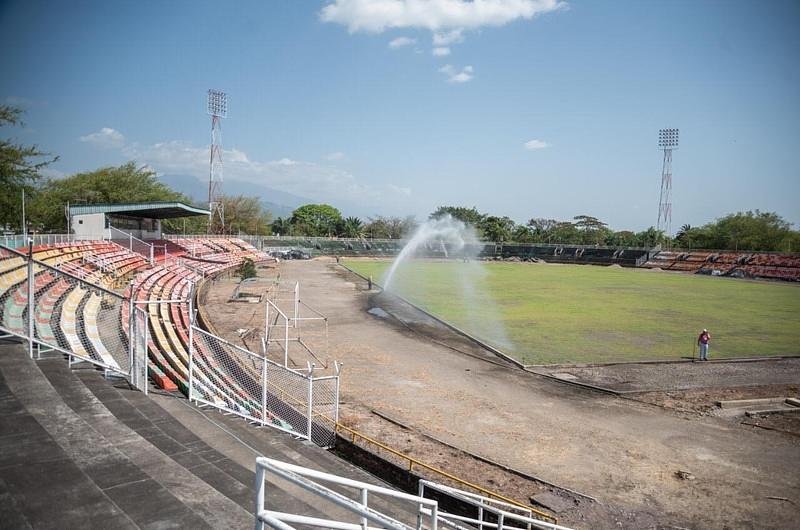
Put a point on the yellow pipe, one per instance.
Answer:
(412, 461)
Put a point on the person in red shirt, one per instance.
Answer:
(703, 340)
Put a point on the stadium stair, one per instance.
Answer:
(116, 458)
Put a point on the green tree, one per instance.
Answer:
(351, 227)
(496, 228)
(20, 168)
(113, 184)
(468, 216)
(650, 237)
(380, 227)
(523, 234)
(565, 232)
(281, 227)
(245, 214)
(542, 229)
(315, 220)
(593, 231)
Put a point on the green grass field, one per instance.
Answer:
(543, 314)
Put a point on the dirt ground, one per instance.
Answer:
(659, 460)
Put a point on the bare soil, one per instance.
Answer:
(633, 456)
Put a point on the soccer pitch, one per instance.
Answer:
(546, 314)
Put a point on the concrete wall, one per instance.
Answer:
(89, 226)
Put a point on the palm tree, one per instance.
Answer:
(353, 227)
(684, 235)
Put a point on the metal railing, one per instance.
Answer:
(55, 310)
(134, 244)
(312, 481)
(355, 512)
(237, 381)
(484, 512)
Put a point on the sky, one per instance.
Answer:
(524, 108)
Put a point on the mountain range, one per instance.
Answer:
(279, 203)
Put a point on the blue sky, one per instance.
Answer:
(397, 106)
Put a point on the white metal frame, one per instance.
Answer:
(39, 346)
(310, 480)
(502, 512)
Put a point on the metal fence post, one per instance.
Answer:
(264, 391)
(310, 401)
(132, 337)
(260, 472)
(191, 343)
(31, 301)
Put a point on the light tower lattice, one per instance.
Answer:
(667, 140)
(217, 109)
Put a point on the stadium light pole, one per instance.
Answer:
(667, 140)
(217, 109)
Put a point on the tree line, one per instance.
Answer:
(21, 170)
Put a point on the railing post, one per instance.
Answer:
(310, 402)
(364, 501)
(132, 337)
(31, 301)
(191, 343)
(264, 390)
(286, 342)
(260, 471)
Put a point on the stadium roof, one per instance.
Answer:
(151, 210)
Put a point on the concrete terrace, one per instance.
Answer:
(80, 451)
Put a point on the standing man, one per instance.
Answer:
(703, 340)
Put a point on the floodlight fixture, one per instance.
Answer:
(217, 103)
(668, 138)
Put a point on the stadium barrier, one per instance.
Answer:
(237, 381)
(451, 508)
(56, 310)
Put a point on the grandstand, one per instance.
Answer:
(766, 265)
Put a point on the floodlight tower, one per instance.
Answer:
(217, 109)
(667, 140)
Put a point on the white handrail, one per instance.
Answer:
(501, 511)
(302, 476)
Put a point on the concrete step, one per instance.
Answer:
(235, 480)
(150, 488)
(35, 469)
(252, 441)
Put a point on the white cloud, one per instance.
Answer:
(335, 156)
(105, 138)
(306, 179)
(457, 76)
(399, 42)
(441, 51)
(535, 144)
(448, 37)
(435, 15)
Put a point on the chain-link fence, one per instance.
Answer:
(232, 379)
(58, 311)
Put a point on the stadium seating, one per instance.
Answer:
(737, 264)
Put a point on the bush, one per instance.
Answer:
(247, 269)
